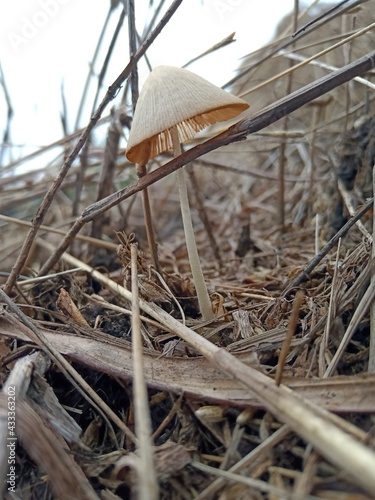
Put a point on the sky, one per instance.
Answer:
(48, 44)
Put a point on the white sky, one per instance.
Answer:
(45, 43)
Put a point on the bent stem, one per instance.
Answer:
(196, 269)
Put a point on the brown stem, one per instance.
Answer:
(141, 172)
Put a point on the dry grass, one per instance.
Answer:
(275, 397)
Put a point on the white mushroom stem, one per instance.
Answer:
(196, 269)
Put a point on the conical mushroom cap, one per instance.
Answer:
(175, 96)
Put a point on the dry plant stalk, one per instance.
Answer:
(288, 337)
(147, 484)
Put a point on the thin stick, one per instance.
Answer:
(251, 483)
(87, 239)
(289, 335)
(304, 274)
(323, 348)
(261, 450)
(320, 17)
(91, 69)
(10, 112)
(361, 310)
(141, 169)
(148, 485)
(85, 151)
(347, 200)
(310, 59)
(323, 65)
(274, 47)
(107, 173)
(223, 43)
(141, 172)
(282, 156)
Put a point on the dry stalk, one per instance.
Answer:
(285, 126)
(198, 378)
(347, 199)
(91, 72)
(107, 172)
(328, 67)
(148, 485)
(255, 484)
(323, 348)
(274, 48)
(361, 310)
(141, 168)
(305, 482)
(309, 59)
(86, 239)
(293, 320)
(223, 43)
(262, 449)
(10, 112)
(304, 274)
(203, 215)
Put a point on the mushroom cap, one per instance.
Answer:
(175, 96)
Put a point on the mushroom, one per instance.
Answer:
(174, 105)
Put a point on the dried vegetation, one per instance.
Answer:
(274, 398)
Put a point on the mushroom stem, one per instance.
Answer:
(196, 269)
